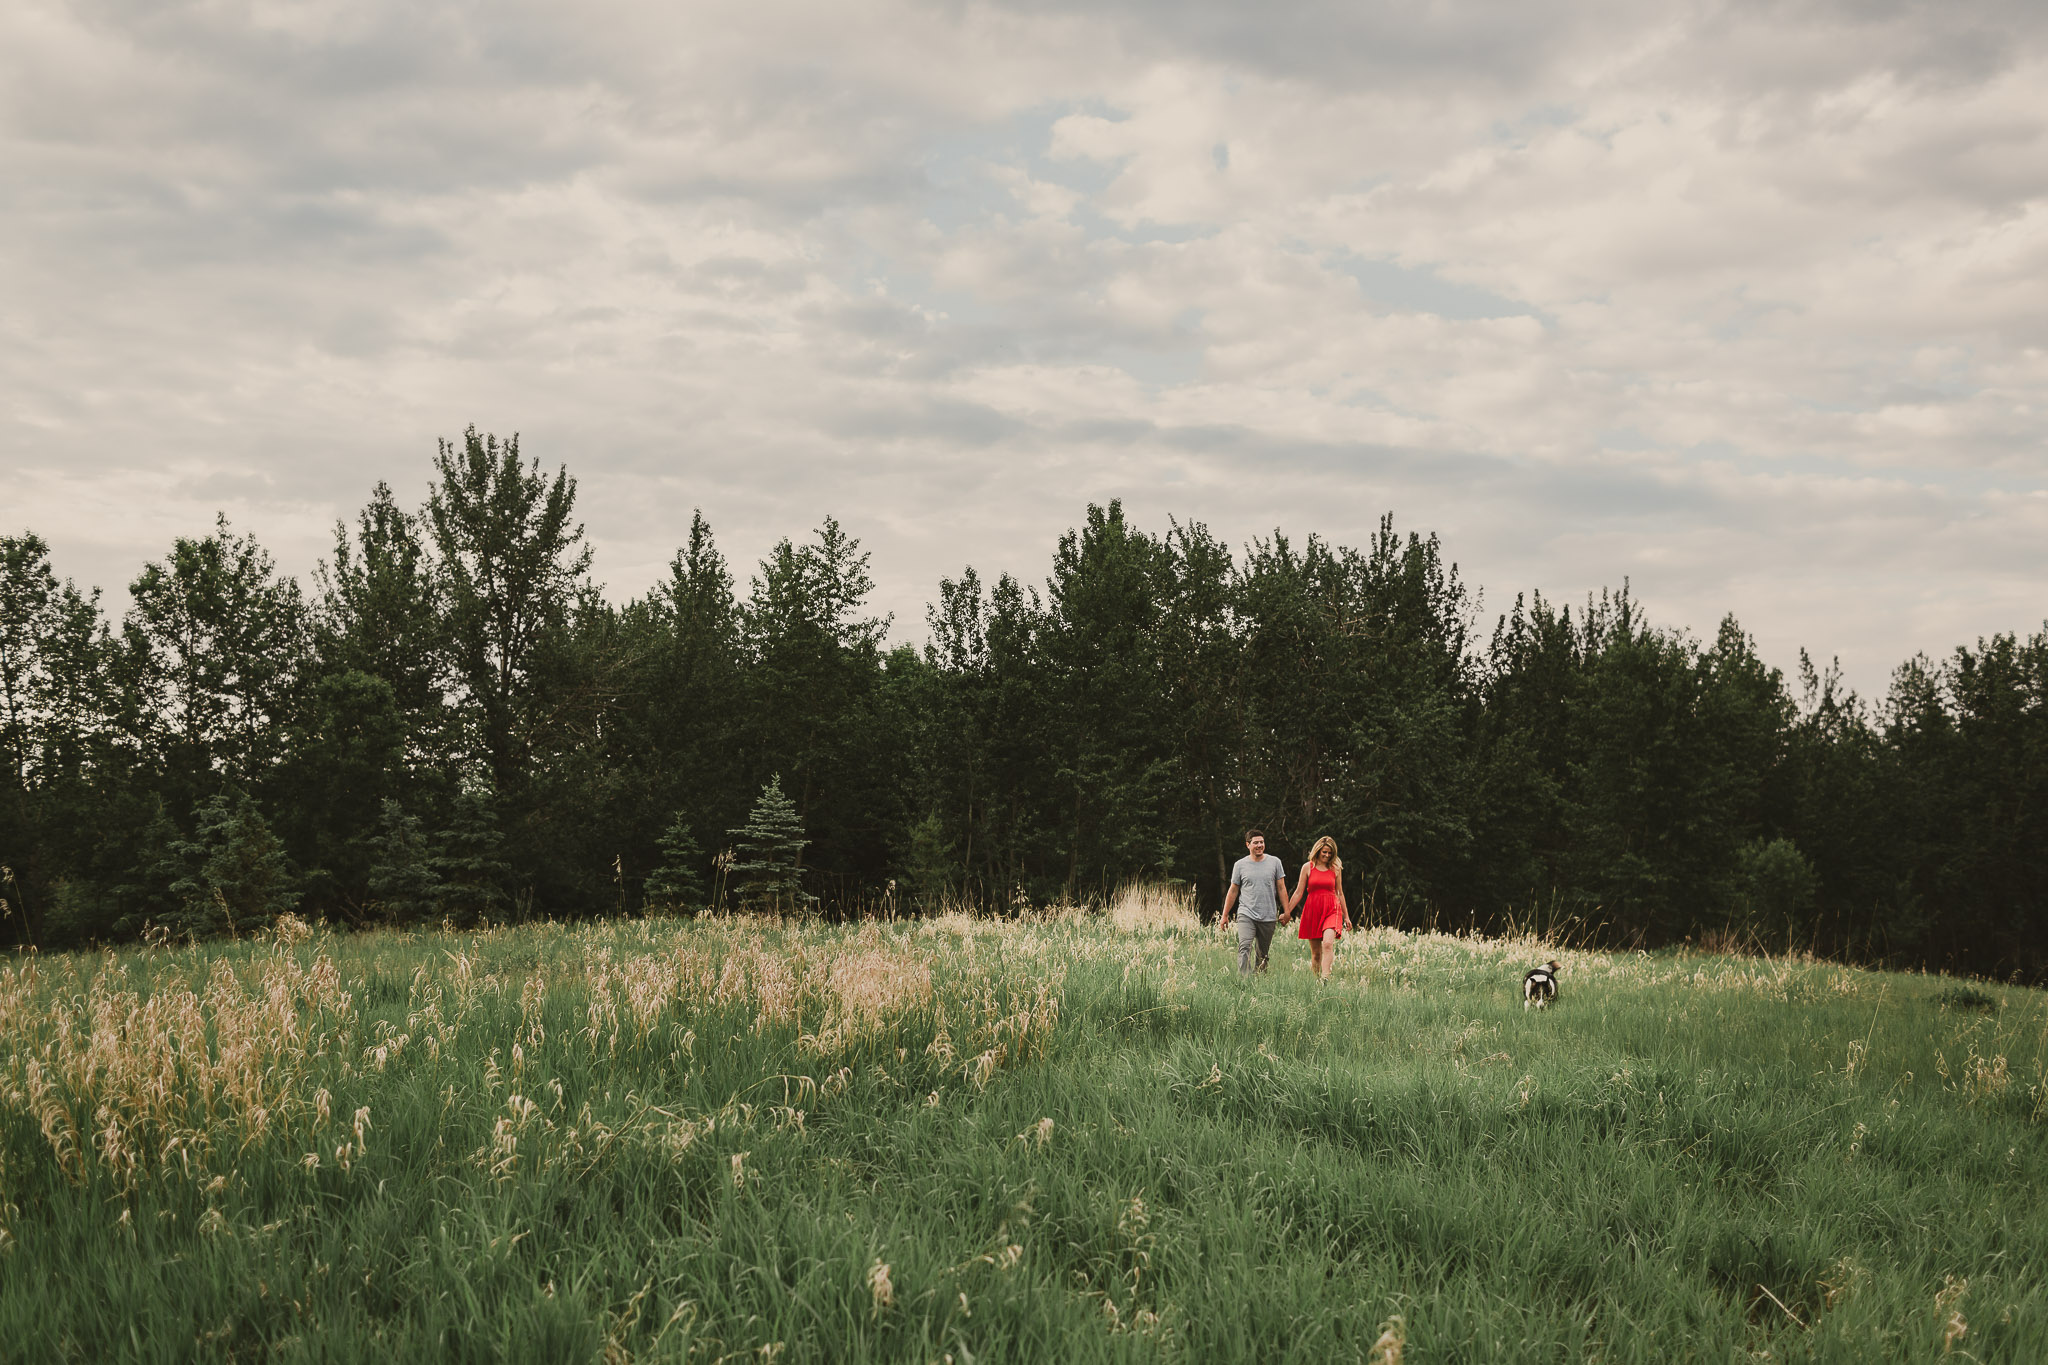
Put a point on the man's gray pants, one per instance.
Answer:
(1251, 932)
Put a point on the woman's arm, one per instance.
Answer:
(1343, 906)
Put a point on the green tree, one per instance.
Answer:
(1202, 662)
(767, 866)
(469, 861)
(52, 647)
(1775, 889)
(985, 702)
(402, 882)
(815, 706)
(217, 640)
(1111, 743)
(1835, 772)
(151, 863)
(57, 712)
(240, 879)
(1532, 675)
(378, 610)
(511, 564)
(1360, 697)
(677, 884)
(1673, 748)
(347, 757)
(929, 863)
(680, 735)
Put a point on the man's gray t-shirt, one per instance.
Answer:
(1258, 887)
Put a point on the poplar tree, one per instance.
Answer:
(511, 563)
(217, 640)
(56, 708)
(377, 608)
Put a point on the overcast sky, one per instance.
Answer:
(1747, 303)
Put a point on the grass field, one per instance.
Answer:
(1073, 1139)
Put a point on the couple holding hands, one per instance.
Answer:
(1258, 889)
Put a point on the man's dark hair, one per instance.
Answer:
(1252, 834)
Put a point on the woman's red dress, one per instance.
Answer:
(1320, 908)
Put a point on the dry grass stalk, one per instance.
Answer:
(1393, 1337)
(139, 1066)
(1149, 908)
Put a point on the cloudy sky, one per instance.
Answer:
(1745, 302)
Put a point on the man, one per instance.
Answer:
(1258, 888)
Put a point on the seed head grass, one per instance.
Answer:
(1076, 1136)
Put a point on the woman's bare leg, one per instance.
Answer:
(1329, 953)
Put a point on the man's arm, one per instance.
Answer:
(1229, 904)
(1286, 910)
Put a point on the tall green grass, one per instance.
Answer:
(1079, 1139)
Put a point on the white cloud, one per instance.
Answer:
(1743, 301)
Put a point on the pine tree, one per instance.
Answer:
(928, 863)
(678, 884)
(243, 880)
(143, 890)
(767, 868)
(467, 858)
(403, 882)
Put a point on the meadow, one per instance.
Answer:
(1075, 1137)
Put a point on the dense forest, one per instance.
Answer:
(451, 723)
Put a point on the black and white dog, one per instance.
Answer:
(1539, 987)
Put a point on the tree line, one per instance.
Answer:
(450, 722)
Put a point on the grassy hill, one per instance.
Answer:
(956, 1140)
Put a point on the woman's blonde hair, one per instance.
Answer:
(1336, 863)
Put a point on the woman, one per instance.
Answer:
(1320, 894)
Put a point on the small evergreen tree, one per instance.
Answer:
(403, 883)
(767, 865)
(467, 860)
(143, 890)
(1775, 892)
(928, 863)
(678, 884)
(241, 880)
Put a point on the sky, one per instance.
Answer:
(1744, 303)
